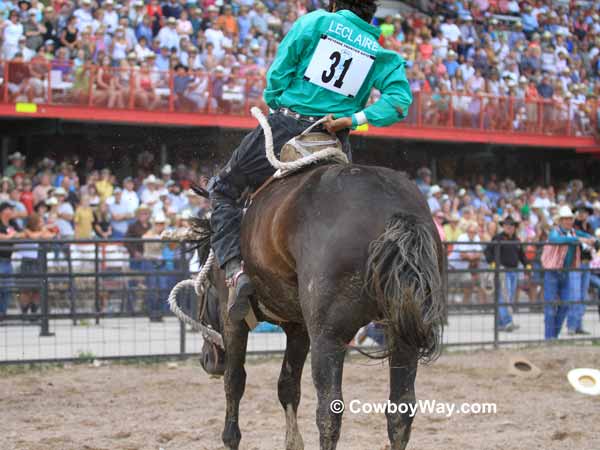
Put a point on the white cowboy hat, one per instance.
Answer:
(167, 169)
(59, 191)
(151, 179)
(585, 381)
(16, 155)
(565, 212)
(159, 218)
(435, 189)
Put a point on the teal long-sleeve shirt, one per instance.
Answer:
(560, 235)
(329, 62)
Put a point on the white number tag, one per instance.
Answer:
(338, 67)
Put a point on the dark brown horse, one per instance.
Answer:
(329, 250)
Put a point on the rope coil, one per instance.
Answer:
(283, 167)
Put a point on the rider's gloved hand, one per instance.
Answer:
(334, 125)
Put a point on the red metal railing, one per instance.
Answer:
(142, 88)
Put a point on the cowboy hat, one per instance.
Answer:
(435, 189)
(16, 155)
(565, 212)
(142, 207)
(584, 206)
(509, 220)
(159, 218)
(523, 368)
(151, 179)
(59, 192)
(585, 381)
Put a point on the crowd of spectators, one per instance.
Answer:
(466, 215)
(482, 51)
(137, 45)
(49, 201)
(464, 58)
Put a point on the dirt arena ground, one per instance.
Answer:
(157, 407)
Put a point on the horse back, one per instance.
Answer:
(320, 223)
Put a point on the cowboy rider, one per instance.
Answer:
(326, 65)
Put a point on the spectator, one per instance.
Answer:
(507, 258)
(102, 221)
(27, 195)
(9, 230)
(104, 186)
(435, 194)
(65, 214)
(467, 256)
(130, 197)
(12, 30)
(20, 211)
(583, 212)
(16, 166)
(84, 219)
(560, 284)
(153, 262)
(423, 180)
(121, 214)
(136, 230)
(451, 229)
(29, 294)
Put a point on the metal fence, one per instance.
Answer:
(70, 300)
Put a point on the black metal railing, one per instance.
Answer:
(91, 299)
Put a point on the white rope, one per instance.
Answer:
(207, 332)
(321, 155)
(197, 283)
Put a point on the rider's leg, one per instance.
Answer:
(226, 221)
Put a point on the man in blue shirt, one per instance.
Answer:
(451, 64)
(244, 23)
(545, 88)
(529, 21)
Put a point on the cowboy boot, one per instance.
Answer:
(240, 290)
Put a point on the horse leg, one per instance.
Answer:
(288, 386)
(403, 371)
(327, 357)
(236, 339)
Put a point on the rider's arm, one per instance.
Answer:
(396, 96)
(394, 102)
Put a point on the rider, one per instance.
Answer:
(326, 64)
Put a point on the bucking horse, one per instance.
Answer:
(330, 249)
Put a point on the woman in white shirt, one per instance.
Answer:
(12, 30)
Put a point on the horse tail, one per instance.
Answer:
(403, 277)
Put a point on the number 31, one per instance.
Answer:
(336, 57)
